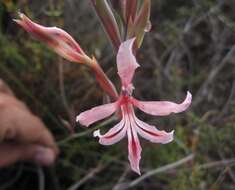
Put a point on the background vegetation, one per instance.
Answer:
(191, 46)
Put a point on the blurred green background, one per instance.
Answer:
(191, 47)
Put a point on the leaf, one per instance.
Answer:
(142, 22)
(108, 20)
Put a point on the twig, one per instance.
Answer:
(69, 111)
(215, 164)
(77, 135)
(119, 184)
(231, 174)
(172, 51)
(229, 170)
(54, 182)
(86, 178)
(41, 178)
(226, 106)
(219, 179)
(154, 58)
(11, 182)
(212, 75)
(220, 163)
(159, 170)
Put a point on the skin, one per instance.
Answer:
(23, 136)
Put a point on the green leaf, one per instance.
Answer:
(142, 22)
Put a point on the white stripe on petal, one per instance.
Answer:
(114, 135)
(134, 147)
(152, 134)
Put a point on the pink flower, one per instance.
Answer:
(130, 125)
(57, 39)
(64, 45)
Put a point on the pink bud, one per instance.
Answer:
(57, 39)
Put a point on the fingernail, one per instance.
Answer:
(44, 156)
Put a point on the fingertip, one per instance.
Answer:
(44, 156)
(13, 152)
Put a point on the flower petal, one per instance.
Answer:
(56, 38)
(114, 135)
(162, 108)
(126, 62)
(134, 148)
(97, 113)
(152, 134)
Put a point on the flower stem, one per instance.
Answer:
(102, 79)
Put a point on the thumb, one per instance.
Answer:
(26, 152)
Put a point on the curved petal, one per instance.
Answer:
(126, 62)
(152, 134)
(97, 113)
(114, 135)
(134, 148)
(59, 40)
(162, 108)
